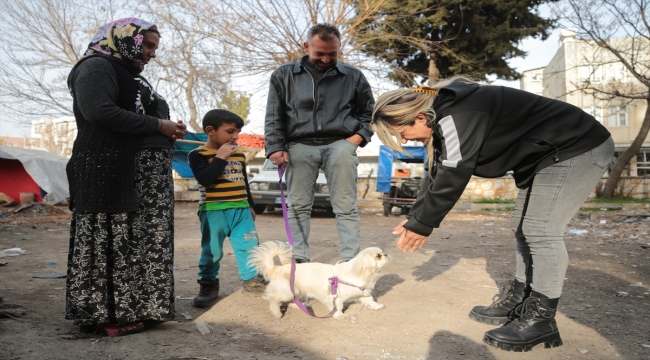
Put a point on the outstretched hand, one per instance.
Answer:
(408, 240)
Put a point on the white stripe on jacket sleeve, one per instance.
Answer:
(452, 143)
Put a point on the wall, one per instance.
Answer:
(555, 76)
(498, 188)
(478, 188)
(636, 187)
(505, 188)
(532, 81)
(186, 190)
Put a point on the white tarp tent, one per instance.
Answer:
(47, 170)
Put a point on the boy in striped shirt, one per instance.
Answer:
(226, 205)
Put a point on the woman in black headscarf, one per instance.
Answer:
(120, 262)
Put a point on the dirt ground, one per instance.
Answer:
(604, 311)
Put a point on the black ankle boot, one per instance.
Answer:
(535, 324)
(208, 293)
(502, 309)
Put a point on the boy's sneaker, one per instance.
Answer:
(256, 284)
(207, 293)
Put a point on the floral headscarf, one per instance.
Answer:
(121, 39)
(120, 42)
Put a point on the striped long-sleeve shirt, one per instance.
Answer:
(223, 183)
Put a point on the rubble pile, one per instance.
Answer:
(31, 210)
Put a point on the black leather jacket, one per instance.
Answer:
(338, 106)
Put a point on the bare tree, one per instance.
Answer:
(43, 39)
(263, 34)
(620, 30)
(41, 42)
(237, 102)
(195, 70)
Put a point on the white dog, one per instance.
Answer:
(356, 278)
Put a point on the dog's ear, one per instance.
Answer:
(364, 264)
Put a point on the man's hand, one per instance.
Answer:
(279, 157)
(355, 139)
(226, 150)
(408, 239)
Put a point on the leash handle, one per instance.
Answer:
(292, 276)
(287, 229)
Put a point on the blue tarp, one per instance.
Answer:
(385, 163)
(181, 149)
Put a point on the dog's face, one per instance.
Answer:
(369, 261)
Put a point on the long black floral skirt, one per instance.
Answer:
(120, 266)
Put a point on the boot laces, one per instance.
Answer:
(526, 311)
(503, 297)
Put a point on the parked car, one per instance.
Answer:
(266, 190)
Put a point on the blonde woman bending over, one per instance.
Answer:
(557, 154)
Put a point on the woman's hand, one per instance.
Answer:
(253, 213)
(408, 239)
(181, 130)
(173, 130)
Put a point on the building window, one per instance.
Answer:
(591, 73)
(617, 116)
(643, 162)
(597, 112)
(616, 72)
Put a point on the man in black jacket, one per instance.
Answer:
(318, 113)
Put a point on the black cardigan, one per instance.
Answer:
(101, 170)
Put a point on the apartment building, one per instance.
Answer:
(54, 135)
(575, 74)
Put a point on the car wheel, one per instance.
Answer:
(388, 208)
(259, 209)
(330, 211)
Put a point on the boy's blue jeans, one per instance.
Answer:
(239, 227)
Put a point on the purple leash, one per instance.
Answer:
(292, 277)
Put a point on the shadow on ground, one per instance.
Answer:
(465, 348)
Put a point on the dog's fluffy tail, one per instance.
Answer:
(263, 254)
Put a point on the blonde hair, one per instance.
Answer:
(398, 108)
